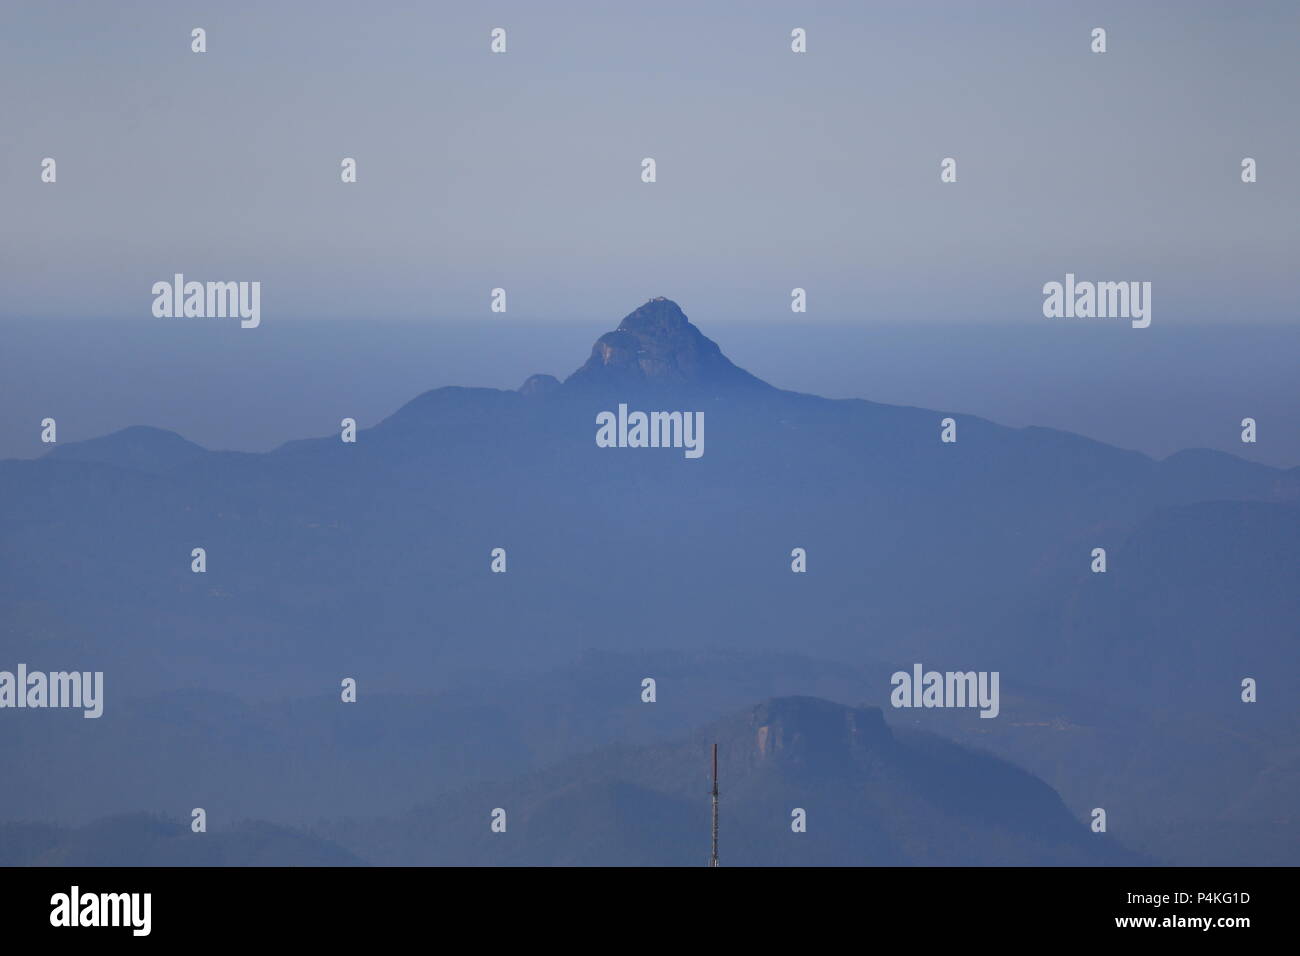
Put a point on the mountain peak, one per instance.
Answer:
(140, 447)
(536, 385)
(656, 314)
(656, 344)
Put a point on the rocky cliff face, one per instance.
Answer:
(787, 728)
(658, 345)
(806, 734)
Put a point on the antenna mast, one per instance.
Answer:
(713, 860)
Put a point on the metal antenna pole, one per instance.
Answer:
(713, 860)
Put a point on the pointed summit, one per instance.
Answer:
(658, 345)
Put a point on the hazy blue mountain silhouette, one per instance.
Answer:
(371, 561)
(1194, 787)
(141, 839)
(656, 345)
(138, 447)
(915, 546)
(872, 796)
(265, 759)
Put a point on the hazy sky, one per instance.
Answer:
(775, 170)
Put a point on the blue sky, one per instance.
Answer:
(775, 170)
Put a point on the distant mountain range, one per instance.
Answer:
(869, 796)
(141, 839)
(371, 560)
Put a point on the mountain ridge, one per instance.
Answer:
(655, 349)
(871, 797)
(373, 560)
